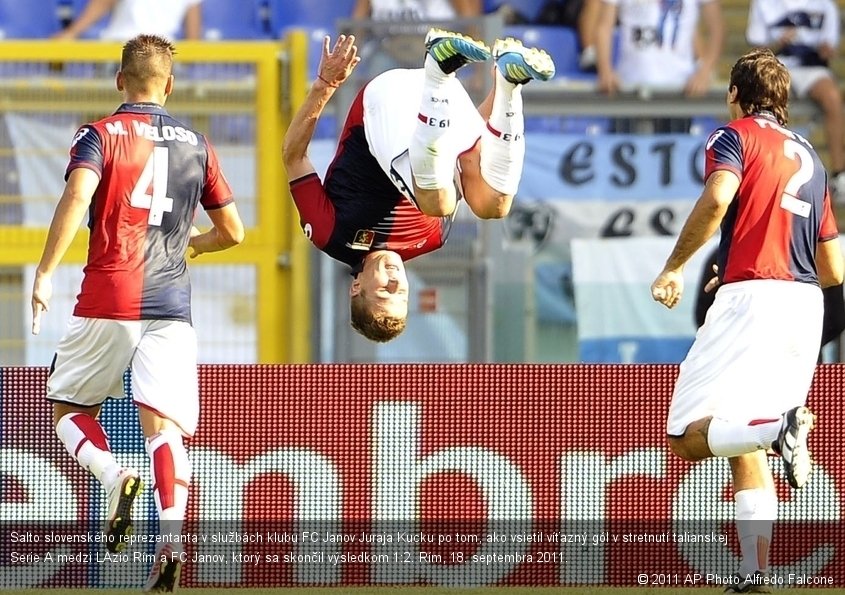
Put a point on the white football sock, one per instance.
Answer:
(756, 511)
(503, 141)
(432, 154)
(86, 441)
(170, 469)
(731, 439)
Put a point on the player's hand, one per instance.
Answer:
(194, 251)
(698, 84)
(42, 291)
(337, 63)
(714, 282)
(668, 288)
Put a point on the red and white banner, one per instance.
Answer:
(455, 474)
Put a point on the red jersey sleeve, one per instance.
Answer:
(316, 211)
(828, 230)
(216, 192)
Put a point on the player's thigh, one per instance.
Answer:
(715, 376)
(483, 200)
(164, 373)
(91, 359)
(392, 103)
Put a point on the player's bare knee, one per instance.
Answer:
(492, 207)
(681, 447)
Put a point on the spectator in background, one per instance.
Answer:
(386, 48)
(804, 34)
(657, 45)
(416, 10)
(581, 15)
(171, 19)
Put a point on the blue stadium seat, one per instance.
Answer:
(244, 19)
(560, 42)
(24, 19)
(530, 9)
(308, 13)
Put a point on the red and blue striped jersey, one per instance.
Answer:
(782, 209)
(154, 171)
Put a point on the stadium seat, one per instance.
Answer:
(24, 19)
(225, 19)
(308, 13)
(528, 9)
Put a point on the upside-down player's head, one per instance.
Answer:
(379, 296)
(760, 82)
(146, 67)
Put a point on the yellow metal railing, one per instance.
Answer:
(274, 244)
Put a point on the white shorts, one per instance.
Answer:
(391, 105)
(754, 357)
(94, 353)
(804, 77)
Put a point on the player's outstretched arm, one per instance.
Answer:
(335, 67)
(702, 223)
(74, 203)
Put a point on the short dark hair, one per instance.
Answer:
(146, 59)
(762, 83)
(377, 327)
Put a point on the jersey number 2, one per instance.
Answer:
(150, 190)
(790, 201)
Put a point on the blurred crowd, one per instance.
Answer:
(622, 45)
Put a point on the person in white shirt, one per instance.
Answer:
(804, 35)
(172, 19)
(384, 47)
(658, 45)
(415, 10)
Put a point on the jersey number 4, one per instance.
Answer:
(150, 190)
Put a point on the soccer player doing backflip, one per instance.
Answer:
(413, 145)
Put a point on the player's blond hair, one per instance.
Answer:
(375, 326)
(762, 83)
(147, 60)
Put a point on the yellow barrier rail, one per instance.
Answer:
(274, 244)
